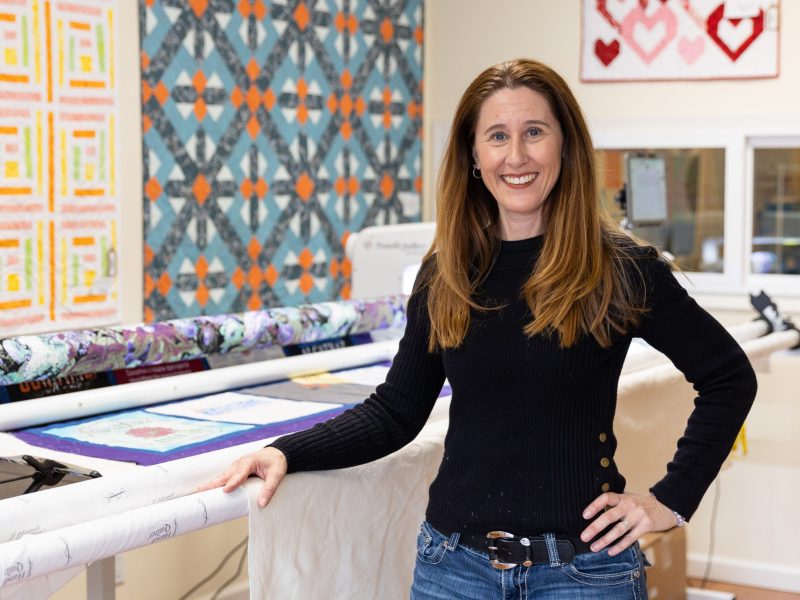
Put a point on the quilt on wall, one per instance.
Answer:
(273, 130)
(59, 203)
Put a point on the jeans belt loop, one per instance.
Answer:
(552, 550)
(452, 541)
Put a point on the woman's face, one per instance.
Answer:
(517, 147)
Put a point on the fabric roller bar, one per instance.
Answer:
(38, 555)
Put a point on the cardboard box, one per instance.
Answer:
(666, 552)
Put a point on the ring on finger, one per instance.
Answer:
(625, 524)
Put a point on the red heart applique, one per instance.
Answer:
(713, 23)
(606, 52)
(606, 14)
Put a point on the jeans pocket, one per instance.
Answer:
(431, 545)
(600, 569)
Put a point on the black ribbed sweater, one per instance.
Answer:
(531, 423)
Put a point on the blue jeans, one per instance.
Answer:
(447, 570)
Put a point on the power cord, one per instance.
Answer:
(234, 576)
(713, 527)
(224, 561)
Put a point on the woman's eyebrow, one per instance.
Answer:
(528, 122)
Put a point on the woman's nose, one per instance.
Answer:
(516, 152)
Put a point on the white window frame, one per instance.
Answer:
(784, 285)
(737, 136)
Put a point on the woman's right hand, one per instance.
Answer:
(268, 463)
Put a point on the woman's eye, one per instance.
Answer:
(498, 136)
(534, 132)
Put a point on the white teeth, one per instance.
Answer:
(519, 180)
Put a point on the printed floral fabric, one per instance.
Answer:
(31, 357)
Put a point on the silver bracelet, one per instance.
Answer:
(679, 520)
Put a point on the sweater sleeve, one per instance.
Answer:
(389, 419)
(720, 372)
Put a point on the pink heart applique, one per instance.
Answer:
(657, 43)
(715, 19)
(690, 50)
(606, 52)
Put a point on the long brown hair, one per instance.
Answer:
(580, 283)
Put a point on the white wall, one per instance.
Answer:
(130, 172)
(465, 36)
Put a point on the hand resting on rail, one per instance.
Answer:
(268, 463)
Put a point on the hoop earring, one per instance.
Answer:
(476, 172)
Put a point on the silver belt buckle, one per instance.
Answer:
(493, 535)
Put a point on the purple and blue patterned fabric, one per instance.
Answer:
(32, 357)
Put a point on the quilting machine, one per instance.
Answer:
(48, 536)
(70, 372)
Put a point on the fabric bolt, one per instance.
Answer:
(531, 441)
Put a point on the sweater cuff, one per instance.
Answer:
(672, 495)
(284, 446)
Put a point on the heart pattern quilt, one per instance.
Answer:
(629, 40)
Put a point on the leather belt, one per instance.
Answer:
(507, 550)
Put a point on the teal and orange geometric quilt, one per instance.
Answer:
(272, 131)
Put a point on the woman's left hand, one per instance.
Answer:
(632, 515)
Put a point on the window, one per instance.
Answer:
(776, 211)
(694, 223)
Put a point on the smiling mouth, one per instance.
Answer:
(518, 180)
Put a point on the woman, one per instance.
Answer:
(527, 302)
